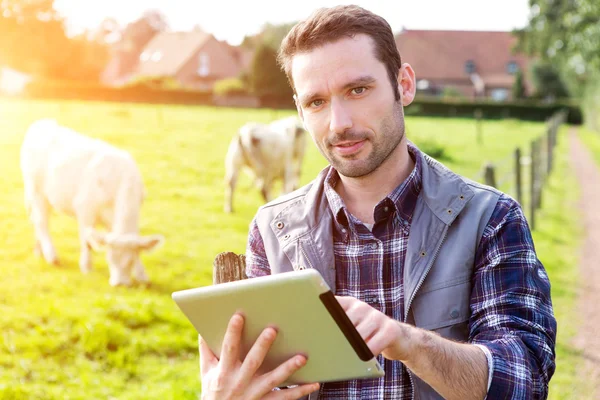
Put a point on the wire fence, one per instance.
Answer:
(524, 173)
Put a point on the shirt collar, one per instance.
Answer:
(402, 199)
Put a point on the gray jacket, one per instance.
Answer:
(447, 225)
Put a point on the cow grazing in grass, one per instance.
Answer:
(270, 152)
(94, 182)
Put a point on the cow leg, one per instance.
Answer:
(85, 256)
(40, 210)
(86, 219)
(37, 248)
(233, 165)
(231, 180)
(139, 273)
(265, 190)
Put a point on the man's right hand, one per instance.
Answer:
(229, 378)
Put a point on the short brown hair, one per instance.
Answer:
(327, 25)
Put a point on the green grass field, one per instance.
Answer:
(69, 336)
(591, 140)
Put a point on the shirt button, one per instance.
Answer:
(344, 230)
(454, 314)
(374, 246)
(386, 209)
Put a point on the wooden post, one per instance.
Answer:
(490, 176)
(518, 175)
(228, 267)
(550, 149)
(532, 199)
(478, 117)
(539, 173)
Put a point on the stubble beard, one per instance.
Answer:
(391, 134)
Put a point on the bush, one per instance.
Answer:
(139, 93)
(231, 86)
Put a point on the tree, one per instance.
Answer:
(566, 33)
(518, 87)
(22, 25)
(266, 78)
(547, 81)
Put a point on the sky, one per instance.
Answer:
(231, 20)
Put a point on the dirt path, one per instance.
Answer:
(588, 337)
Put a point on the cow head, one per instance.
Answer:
(123, 254)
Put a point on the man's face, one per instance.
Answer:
(347, 103)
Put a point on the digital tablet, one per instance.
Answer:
(308, 318)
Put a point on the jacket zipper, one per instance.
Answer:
(437, 252)
(305, 257)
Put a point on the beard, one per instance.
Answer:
(383, 143)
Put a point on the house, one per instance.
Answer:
(195, 59)
(472, 63)
(125, 52)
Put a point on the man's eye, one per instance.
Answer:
(316, 103)
(359, 90)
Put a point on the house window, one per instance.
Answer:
(512, 67)
(203, 64)
(423, 84)
(499, 94)
(470, 67)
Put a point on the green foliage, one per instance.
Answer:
(450, 92)
(592, 142)
(547, 81)
(33, 41)
(518, 87)
(156, 82)
(266, 78)
(230, 86)
(566, 33)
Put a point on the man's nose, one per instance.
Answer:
(341, 118)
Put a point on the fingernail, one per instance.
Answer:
(299, 361)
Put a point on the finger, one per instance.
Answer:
(378, 343)
(280, 374)
(257, 354)
(208, 360)
(367, 328)
(231, 342)
(345, 301)
(293, 393)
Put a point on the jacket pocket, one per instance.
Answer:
(443, 306)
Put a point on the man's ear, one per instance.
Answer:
(299, 108)
(96, 240)
(407, 84)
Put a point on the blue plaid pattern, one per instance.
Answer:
(510, 303)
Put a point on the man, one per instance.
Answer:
(438, 273)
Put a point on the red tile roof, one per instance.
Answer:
(171, 50)
(442, 55)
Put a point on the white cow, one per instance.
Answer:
(94, 182)
(269, 152)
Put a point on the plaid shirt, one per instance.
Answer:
(369, 266)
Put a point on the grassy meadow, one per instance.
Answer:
(69, 336)
(591, 140)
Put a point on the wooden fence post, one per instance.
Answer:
(532, 199)
(550, 148)
(490, 176)
(478, 116)
(228, 267)
(518, 175)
